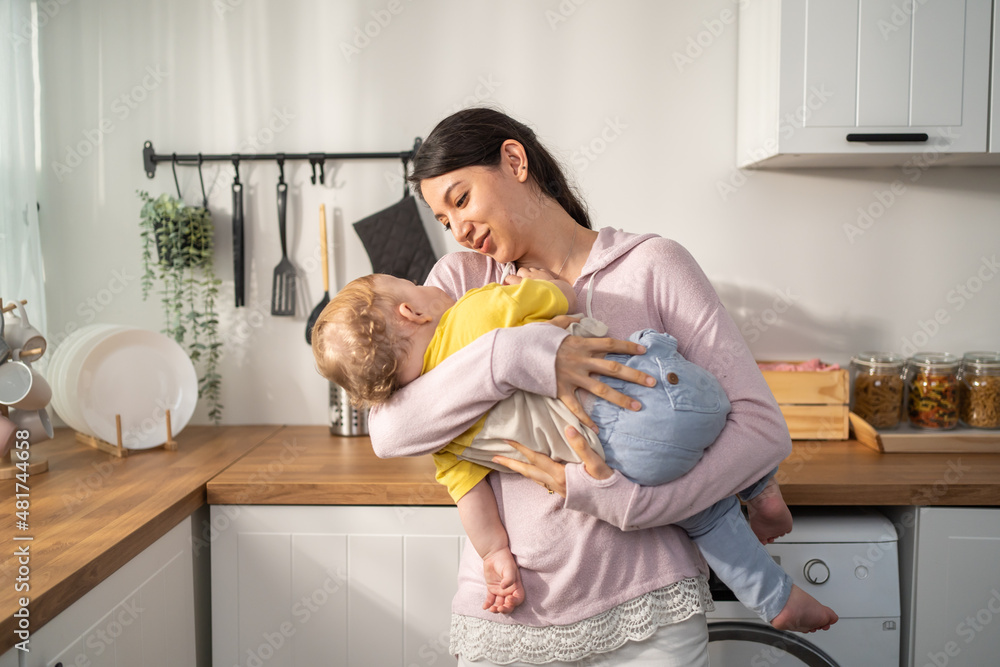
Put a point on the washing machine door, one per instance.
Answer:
(739, 644)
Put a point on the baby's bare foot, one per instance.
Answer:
(770, 517)
(804, 613)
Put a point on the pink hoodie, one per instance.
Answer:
(610, 540)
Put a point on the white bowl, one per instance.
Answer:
(137, 374)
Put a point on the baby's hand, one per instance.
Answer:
(536, 274)
(504, 590)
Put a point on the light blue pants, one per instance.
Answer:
(681, 416)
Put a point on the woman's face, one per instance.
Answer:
(487, 209)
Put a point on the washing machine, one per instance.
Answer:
(847, 559)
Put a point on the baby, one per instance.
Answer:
(381, 333)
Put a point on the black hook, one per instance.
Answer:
(281, 168)
(204, 197)
(236, 166)
(314, 159)
(173, 164)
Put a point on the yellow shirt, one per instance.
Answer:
(478, 312)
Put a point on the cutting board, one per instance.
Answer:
(906, 438)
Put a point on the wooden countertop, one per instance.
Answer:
(305, 465)
(92, 512)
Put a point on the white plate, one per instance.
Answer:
(138, 374)
(64, 387)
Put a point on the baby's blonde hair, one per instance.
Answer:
(356, 345)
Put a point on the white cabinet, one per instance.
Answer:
(149, 613)
(951, 585)
(995, 86)
(333, 585)
(862, 83)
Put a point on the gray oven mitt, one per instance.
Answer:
(397, 242)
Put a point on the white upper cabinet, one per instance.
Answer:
(995, 88)
(862, 82)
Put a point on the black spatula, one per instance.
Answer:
(283, 286)
(314, 315)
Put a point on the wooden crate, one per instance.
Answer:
(814, 403)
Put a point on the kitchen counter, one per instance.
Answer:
(92, 512)
(304, 465)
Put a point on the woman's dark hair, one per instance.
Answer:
(472, 138)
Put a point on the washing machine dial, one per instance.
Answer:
(816, 571)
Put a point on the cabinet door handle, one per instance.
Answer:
(913, 137)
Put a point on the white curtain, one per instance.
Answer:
(21, 271)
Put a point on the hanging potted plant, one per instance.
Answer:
(181, 237)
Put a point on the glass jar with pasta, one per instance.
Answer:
(932, 390)
(877, 388)
(979, 390)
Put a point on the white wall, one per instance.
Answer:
(598, 73)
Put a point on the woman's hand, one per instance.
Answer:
(579, 360)
(551, 475)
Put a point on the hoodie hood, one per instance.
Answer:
(611, 244)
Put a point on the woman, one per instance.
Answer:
(607, 578)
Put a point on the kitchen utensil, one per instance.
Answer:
(21, 335)
(238, 238)
(23, 387)
(4, 347)
(139, 375)
(283, 285)
(345, 419)
(36, 422)
(314, 315)
(397, 242)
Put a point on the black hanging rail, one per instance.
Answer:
(150, 157)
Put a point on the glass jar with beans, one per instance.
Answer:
(877, 388)
(979, 390)
(932, 390)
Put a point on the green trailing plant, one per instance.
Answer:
(181, 238)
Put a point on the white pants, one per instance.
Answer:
(683, 644)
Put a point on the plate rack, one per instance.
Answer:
(120, 450)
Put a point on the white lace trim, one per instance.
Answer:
(502, 643)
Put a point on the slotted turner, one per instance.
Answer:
(283, 285)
